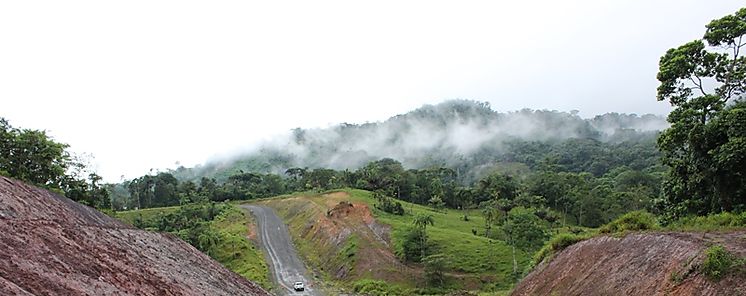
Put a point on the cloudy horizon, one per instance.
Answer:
(145, 84)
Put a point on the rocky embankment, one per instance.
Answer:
(664, 263)
(50, 245)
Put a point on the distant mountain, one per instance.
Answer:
(464, 135)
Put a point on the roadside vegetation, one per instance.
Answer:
(217, 229)
(719, 262)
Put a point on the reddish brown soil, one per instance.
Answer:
(637, 264)
(50, 245)
(335, 221)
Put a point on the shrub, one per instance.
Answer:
(718, 261)
(717, 221)
(435, 266)
(412, 246)
(388, 204)
(377, 288)
(556, 244)
(632, 221)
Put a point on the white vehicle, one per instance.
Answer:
(298, 286)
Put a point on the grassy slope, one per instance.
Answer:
(468, 253)
(475, 259)
(235, 251)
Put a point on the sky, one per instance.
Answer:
(143, 85)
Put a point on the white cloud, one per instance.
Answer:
(143, 84)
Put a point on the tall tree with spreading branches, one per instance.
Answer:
(705, 147)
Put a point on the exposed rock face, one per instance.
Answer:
(50, 245)
(638, 264)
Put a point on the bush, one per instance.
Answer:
(556, 244)
(377, 288)
(718, 262)
(388, 204)
(718, 221)
(411, 246)
(435, 266)
(632, 221)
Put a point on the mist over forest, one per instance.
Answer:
(467, 136)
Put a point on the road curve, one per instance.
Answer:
(285, 265)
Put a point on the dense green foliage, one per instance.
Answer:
(33, 156)
(705, 147)
(525, 230)
(190, 222)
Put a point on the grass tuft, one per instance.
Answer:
(632, 221)
(713, 222)
(557, 244)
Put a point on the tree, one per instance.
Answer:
(703, 147)
(31, 155)
(436, 202)
(435, 266)
(491, 214)
(421, 221)
(412, 245)
(34, 157)
(524, 230)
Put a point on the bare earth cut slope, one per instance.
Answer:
(351, 244)
(50, 245)
(637, 264)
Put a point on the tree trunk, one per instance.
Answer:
(422, 246)
(515, 263)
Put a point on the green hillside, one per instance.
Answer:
(472, 262)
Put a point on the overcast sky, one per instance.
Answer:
(144, 84)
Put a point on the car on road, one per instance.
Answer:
(298, 286)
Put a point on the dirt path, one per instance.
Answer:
(286, 267)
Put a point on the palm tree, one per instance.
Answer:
(490, 216)
(421, 221)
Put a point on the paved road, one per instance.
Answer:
(285, 265)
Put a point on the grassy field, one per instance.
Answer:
(233, 249)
